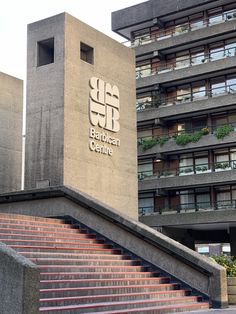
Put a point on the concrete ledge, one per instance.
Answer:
(186, 265)
(19, 288)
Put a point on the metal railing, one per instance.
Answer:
(150, 70)
(188, 170)
(186, 98)
(188, 207)
(181, 29)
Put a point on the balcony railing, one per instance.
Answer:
(184, 98)
(189, 170)
(188, 207)
(203, 58)
(208, 129)
(181, 29)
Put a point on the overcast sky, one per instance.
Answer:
(16, 14)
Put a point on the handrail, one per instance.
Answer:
(150, 70)
(188, 97)
(180, 29)
(185, 207)
(188, 170)
(208, 129)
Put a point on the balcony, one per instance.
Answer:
(187, 208)
(180, 141)
(185, 62)
(182, 34)
(196, 102)
(182, 74)
(198, 175)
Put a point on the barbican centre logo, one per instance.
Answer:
(104, 113)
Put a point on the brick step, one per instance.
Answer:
(42, 228)
(31, 218)
(50, 238)
(25, 222)
(87, 268)
(93, 275)
(111, 306)
(158, 295)
(166, 309)
(54, 243)
(64, 283)
(79, 291)
(74, 255)
(34, 248)
(83, 261)
(75, 235)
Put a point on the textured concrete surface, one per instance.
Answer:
(57, 134)
(19, 289)
(11, 111)
(229, 310)
(163, 252)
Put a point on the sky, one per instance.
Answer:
(16, 14)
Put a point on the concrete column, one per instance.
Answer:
(232, 236)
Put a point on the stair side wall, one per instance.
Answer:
(19, 288)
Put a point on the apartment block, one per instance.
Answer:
(186, 116)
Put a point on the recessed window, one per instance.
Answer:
(86, 53)
(45, 52)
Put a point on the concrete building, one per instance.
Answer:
(81, 119)
(186, 104)
(11, 110)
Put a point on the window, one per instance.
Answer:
(86, 53)
(45, 53)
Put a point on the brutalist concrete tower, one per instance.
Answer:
(11, 108)
(81, 117)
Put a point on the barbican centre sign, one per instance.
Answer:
(104, 115)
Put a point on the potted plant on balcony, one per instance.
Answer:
(229, 262)
(166, 173)
(186, 171)
(202, 169)
(222, 166)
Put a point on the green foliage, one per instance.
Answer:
(228, 262)
(149, 143)
(222, 165)
(223, 131)
(185, 138)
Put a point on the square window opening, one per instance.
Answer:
(45, 52)
(86, 53)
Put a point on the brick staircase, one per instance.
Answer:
(81, 273)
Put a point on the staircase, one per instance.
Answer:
(81, 273)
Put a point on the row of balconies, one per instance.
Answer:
(185, 74)
(181, 29)
(172, 143)
(200, 175)
(185, 34)
(186, 62)
(188, 207)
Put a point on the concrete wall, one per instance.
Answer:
(19, 288)
(11, 108)
(59, 118)
(181, 262)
